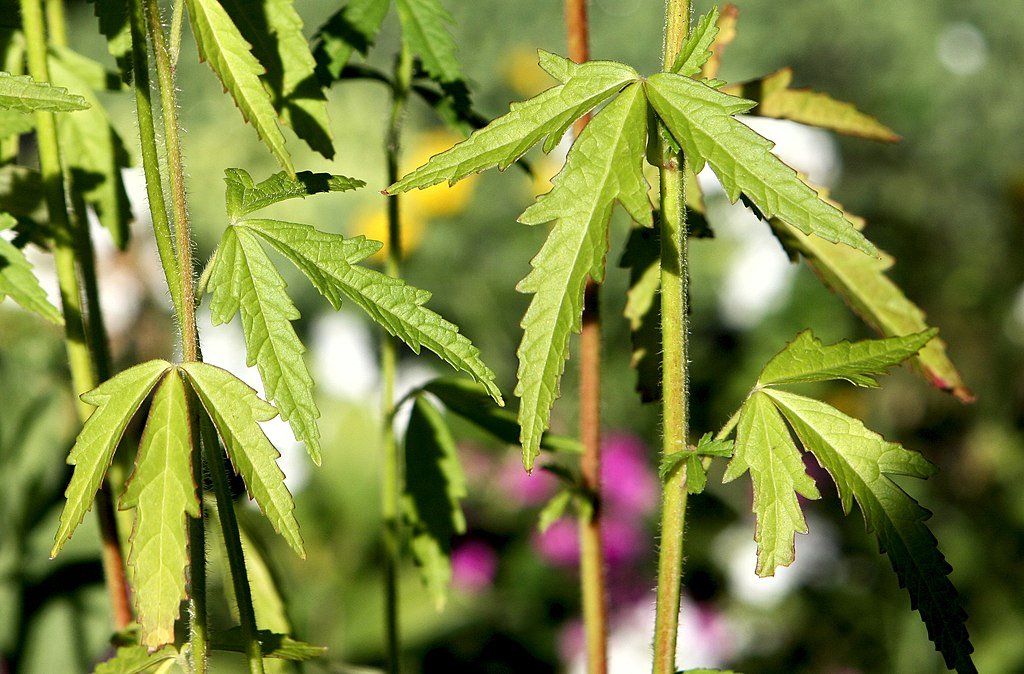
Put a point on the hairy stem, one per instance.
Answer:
(592, 566)
(674, 367)
(88, 358)
(391, 492)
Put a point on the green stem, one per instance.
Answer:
(88, 359)
(391, 492)
(675, 380)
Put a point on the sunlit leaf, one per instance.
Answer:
(19, 283)
(243, 195)
(425, 31)
(726, 24)
(696, 49)
(21, 93)
(351, 28)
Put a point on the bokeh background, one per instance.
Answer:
(947, 202)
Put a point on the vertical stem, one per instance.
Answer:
(81, 358)
(675, 381)
(391, 492)
(592, 567)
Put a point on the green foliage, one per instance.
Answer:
(136, 659)
(696, 50)
(17, 280)
(243, 196)
(694, 458)
(272, 645)
(116, 402)
(21, 93)
(162, 492)
(351, 28)
(425, 32)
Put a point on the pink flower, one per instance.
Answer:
(628, 481)
(474, 564)
(560, 543)
(527, 488)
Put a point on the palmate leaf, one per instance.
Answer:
(236, 411)
(351, 28)
(603, 166)
(162, 492)
(547, 115)
(328, 260)
(432, 500)
(859, 462)
(775, 99)
(223, 47)
(765, 449)
(21, 93)
(425, 31)
(245, 281)
(116, 401)
(701, 120)
(806, 359)
(274, 29)
(243, 196)
(17, 280)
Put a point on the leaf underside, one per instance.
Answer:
(21, 93)
(351, 28)
(243, 195)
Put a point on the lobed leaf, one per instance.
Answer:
(774, 98)
(860, 462)
(351, 28)
(21, 93)
(425, 32)
(701, 120)
(243, 196)
(162, 491)
(603, 166)
(135, 660)
(726, 24)
(19, 283)
(222, 46)
(506, 139)
(432, 500)
(274, 29)
(696, 49)
(806, 359)
(244, 280)
(236, 411)
(116, 401)
(765, 448)
(328, 261)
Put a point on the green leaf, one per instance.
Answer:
(861, 281)
(328, 261)
(113, 24)
(432, 502)
(21, 93)
(243, 196)
(701, 120)
(353, 27)
(244, 280)
(162, 491)
(696, 49)
(506, 139)
(274, 29)
(425, 32)
(603, 166)
(236, 411)
(642, 256)
(726, 24)
(775, 99)
(13, 123)
(693, 457)
(91, 148)
(19, 283)
(223, 47)
(860, 462)
(116, 401)
(806, 359)
(272, 645)
(765, 448)
(135, 660)
(471, 401)
(553, 509)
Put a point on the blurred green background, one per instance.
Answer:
(947, 202)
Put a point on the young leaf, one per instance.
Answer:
(775, 99)
(162, 491)
(603, 166)
(696, 49)
(806, 359)
(353, 27)
(328, 261)
(21, 93)
(859, 462)
(765, 448)
(244, 280)
(236, 411)
(274, 29)
(272, 645)
(861, 281)
(243, 196)
(425, 32)
(19, 283)
(432, 500)
(223, 47)
(116, 402)
(726, 24)
(91, 148)
(135, 660)
(506, 139)
(471, 401)
(701, 120)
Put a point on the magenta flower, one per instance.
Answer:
(474, 565)
(628, 481)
